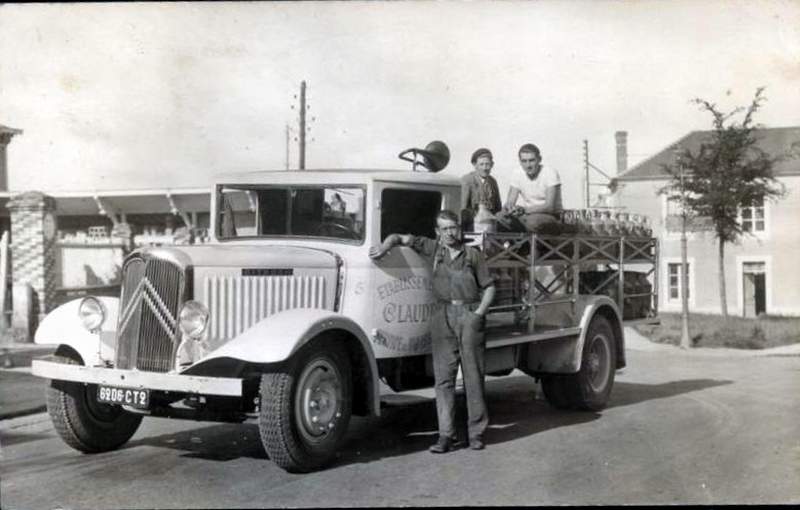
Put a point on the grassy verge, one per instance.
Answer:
(714, 331)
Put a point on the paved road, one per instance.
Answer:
(681, 428)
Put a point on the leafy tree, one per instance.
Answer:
(728, 171)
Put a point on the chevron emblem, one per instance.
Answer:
(147, 293)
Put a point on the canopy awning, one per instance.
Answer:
(146, 201)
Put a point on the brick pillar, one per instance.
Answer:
(33, 257)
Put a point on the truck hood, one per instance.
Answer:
(267, 257)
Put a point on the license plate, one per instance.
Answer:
(123, 396)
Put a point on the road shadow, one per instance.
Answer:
(11, 437)
(219, 442)
(516, 410)
(625, 393)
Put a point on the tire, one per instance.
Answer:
(590, 388)
(306, 407)
(84, 423)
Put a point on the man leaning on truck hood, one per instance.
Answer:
(464, 289)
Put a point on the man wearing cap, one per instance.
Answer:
(538, 189)
(464, 289)
(478, 187)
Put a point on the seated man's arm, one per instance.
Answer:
(511, 200)
(465, 194)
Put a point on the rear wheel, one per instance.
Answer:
(590, 388)
(555, 393)
(305, 408)
(84, 423)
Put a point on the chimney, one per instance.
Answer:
(622, 151)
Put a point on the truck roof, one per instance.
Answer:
(335, 176)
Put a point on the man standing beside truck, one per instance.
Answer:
(464, 289)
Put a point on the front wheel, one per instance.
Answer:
(590, 388)
(306, 407)
(84, 423)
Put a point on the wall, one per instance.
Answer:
(778, 247)
(80, 265)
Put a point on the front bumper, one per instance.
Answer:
(135, 379)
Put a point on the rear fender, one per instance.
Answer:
(63, 326)
(564, 356)
(605, 307)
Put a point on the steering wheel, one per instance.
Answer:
(333, 229)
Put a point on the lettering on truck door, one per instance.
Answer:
(403, 303)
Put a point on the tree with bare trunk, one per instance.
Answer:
(727, 172)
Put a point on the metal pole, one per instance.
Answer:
(302, 136)
(287, 146)
(586, 171)
(685, 339)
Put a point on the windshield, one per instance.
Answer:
(307, 211)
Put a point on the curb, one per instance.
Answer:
(4, 418)
(635, 341)
(21, 355)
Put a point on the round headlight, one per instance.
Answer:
(193, 319)
(92, 313)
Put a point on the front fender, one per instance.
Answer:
(62, 326)
(277, 337)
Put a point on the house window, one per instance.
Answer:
(751, 217)
(673, 218)
(674, 281)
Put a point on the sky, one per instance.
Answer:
(120, 96)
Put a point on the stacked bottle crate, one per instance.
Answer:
(607, 222)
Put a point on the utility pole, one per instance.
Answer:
(287, 146)
(586, 172)
(302, 131)
(685, 339)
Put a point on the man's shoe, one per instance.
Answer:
(476, 444)
(443, 445)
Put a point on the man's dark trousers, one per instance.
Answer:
(458, 336)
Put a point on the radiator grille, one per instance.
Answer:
(236, 303)
(147, 334)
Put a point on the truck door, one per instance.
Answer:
(402, 287)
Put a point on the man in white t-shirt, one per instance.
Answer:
(538, 190)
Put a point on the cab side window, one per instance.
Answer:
(407, 211)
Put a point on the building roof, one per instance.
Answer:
(771, 140)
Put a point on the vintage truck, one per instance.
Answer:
(283, 317)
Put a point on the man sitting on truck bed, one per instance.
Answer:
(479, 188)
(538, 188)
(464, 289)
